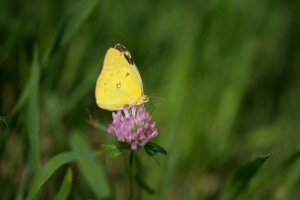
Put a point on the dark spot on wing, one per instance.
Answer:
(121, 48)
(118, 85)
(127, 74)
(125, 52)
(129, 59)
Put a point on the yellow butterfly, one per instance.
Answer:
(120, 82)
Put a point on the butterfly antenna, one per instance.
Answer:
(155, 97)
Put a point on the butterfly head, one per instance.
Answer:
(143, 99)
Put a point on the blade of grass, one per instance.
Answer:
(292, 179)
(22, 100)
(90, 169)
(239, 182)
(259, 182)
(52, 165)
(32, 113)
(65, 186)
(69, 27)
(24, 181)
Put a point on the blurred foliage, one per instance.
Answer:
(228, 69)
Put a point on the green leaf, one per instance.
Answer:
(114, 154)
(65, 187)
(32, 112)
(239, 182)
(156, 158)
(52, 165)
(149, 150)
(90, 168)
(156, 148)
(153, 154)
(109, 146)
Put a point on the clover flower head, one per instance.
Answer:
(133, 125)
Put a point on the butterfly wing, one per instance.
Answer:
(119, 83)
(130, 61)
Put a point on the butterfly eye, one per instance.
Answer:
(146, 99)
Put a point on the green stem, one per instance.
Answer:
(130, 175)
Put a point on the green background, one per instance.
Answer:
(229, 71)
